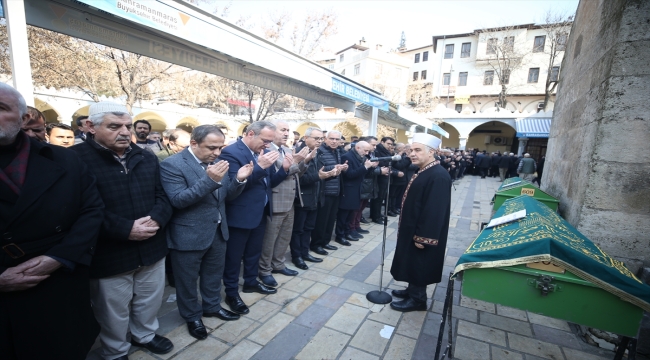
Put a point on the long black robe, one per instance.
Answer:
(424, 218)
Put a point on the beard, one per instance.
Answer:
(141, 135)
(8, 132)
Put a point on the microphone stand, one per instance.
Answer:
(379, 296)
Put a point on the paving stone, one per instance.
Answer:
(400, 348)
(477, 304)
(341, 270)
(262, 310)
(511, 312)
(572, 354)
(548, 321)
(441, 294)
(425, 347)
(315, 316)
(373, 278)
(269, 329)
(207, 349)
(244, 350)
(282, 297)
(327, 344)
(504, 323)
(234, 331)
(333, 298)
(411, 324)
(212, 322)
(325, 279)
(250, 298)
(347, 318)
(141, 355)
(534, 347)
(369, 339)
(361, 300)
(459, 312)
(297, 306)
(341, 253)
(451, 260)
(169, 322)
(358, 286)
(468, 349)
(353, 259)
(329, 263)
(298, 284)
(351, 353)
(180, 338)
(386, 316)
(315, 291)
(504, 354)
(287, 343)
(559, 337)
(482, 333)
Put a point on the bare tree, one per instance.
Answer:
(267, 99)
(557, 27)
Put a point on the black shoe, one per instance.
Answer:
(343, 242)
(259, 288)
(362, 231)
(350, 237)
(285, 272)
(380, 222)
(319, 250)
(402, 294)
(355, 234)
(268, 280)
(237, 305)
(330, 247)
(223, 314)
(300, 263)
(197, 329)
(312, 259)
(157, 345)
(364, 220)
(407, 305)
(391, 213)
(399, 211)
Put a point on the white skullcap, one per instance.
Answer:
(426, 139)
(106, 106)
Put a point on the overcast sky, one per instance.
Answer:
(382, 22)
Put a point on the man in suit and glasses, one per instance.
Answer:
(197, 186)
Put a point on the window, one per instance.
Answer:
(533, 75)
(357, 69)
(508, 43)
(330, 66)
(459, 107)
(343, 72)
(505, 77)
(449, 51)
(561, 41)
(488, 78)
(462, 79)
(425, 56)
(341, 57)
(491, 46)
(423, 75)
(417, 58)
(465, 50)
(555, 73)
(415, 76)
(446, 79)
(538, 46)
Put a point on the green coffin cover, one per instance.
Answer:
(544, 236)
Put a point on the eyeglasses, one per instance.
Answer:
(317, 138)
(266, 141)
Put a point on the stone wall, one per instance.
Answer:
(598, 159)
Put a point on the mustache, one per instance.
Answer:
(128, 138)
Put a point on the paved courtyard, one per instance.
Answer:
(323, 313)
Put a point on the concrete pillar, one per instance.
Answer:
(522, 146)
(372, 128)
(463, 142)
(21, 70)
(401, 136)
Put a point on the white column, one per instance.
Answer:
(463, 143)
(522, 146)
(17, 33)
(372, 129)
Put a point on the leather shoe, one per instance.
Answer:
(223, 314)
(343, 242)
(285, 272)
(364, 220)
(356, 234)
(268, 280)
(407, 305)
(330, 247)
(259, 288)
(300, 264)
(392, 213)
(379, 221)
(362, 231)
(157, 345)
(312, 259)
(197, 329)
(237, 305)
(402, 294)
(350, 237)
(319, 250)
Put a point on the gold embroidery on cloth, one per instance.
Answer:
(423, 240)
(406, 192)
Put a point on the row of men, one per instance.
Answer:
(113, 203)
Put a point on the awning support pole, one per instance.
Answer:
(372, 129)
(19, 48)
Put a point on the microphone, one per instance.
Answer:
(387, 158)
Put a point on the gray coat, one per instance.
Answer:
(194, 197)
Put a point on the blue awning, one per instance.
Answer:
(533, 127)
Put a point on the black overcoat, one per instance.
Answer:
(424, 217)
(351, 194)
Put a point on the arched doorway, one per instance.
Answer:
(51, 115)
(492, 136)
(304, 126)
(454, 136)
(187, 123)
(157, 122)
(348, 130)
(82, 111)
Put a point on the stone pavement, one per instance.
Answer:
(323, 313)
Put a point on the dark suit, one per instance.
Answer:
(58, 213)
(351, 194)
(247, 216)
